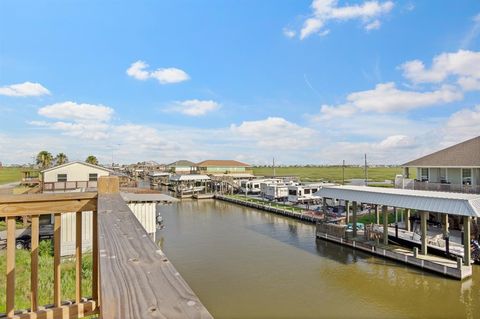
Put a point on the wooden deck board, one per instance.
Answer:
(137, 280)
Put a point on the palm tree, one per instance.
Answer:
(92, 160)
(61, 158)
(44, 159)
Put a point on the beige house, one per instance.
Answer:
(72, 176)
(453, 169)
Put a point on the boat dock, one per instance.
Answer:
(440, 265)
(309, 217)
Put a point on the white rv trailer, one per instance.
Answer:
(305, 193)
(276, 191)
(254, 186)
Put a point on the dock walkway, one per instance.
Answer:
(281, 211)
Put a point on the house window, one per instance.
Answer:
(443, 175)
(292, 192)
(306, 191)
(424, 174)
(61, 177)
(92, 177)
(466, 176)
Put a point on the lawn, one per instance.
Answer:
(45, 285)
(331, 173)
(10, 174)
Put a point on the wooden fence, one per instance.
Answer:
(34, 206)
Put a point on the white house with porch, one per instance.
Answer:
(453, 169)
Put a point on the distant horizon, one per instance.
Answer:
(312, 81)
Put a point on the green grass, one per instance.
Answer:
(370, 218)
(22, 274)
(18, 225)
(10, 174)
(266, 203)
(331, 173)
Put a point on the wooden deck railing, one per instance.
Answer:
(131, 276)
(34, 206)
(68, 186)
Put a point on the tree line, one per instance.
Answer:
(45, 159)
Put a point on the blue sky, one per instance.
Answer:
(302, 81)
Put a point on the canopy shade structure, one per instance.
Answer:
(438, 202)
(181, 178)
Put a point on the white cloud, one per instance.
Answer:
(387, 98)
(463, 124)
(77, 112)
(24, 89)
(137, 70)
(373, 25)
(324, 11)
(169, 75)
(275, 133)
(472, 34)
(463, 64)
(396, 141)
(328, 112)
(194, 107)
(289, 33)
(164, 75)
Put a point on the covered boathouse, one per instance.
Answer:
(422, 203)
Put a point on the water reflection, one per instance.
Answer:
(244, 263)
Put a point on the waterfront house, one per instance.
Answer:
(453, 169)
(222, 167)
(181, 167)
(72, 176)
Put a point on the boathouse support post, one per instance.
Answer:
(347, 212)
(423, 226)
(385, 224)
(466, 240)
(407, 219)
(445, 225)
(377, 215)
(354, 219)
(324, 205)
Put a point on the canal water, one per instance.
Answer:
(246, 263)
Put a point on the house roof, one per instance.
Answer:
(222, 163)
(77, 162)
(441, 202)
(465, 154)
(192, 177)
(182, 163)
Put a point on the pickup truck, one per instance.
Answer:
(24, 236)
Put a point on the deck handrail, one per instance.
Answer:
(35, 205)
(137, 280)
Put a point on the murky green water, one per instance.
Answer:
(245, 263)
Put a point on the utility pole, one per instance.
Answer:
(274, 168)
(366, 171)
(343, 173)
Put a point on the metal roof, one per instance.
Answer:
(192, 177)
(131, 197)
(439, 202)
(222, 163)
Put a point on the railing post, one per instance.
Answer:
(34, 263)
(57, 278)
(78, 257)
(10, 266)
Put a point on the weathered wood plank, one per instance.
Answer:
(42, 208)
(78, 257)
(137, 280)
(27, 198)
(34, 263)
(10, 266)
(57, 280)
(66, 311)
